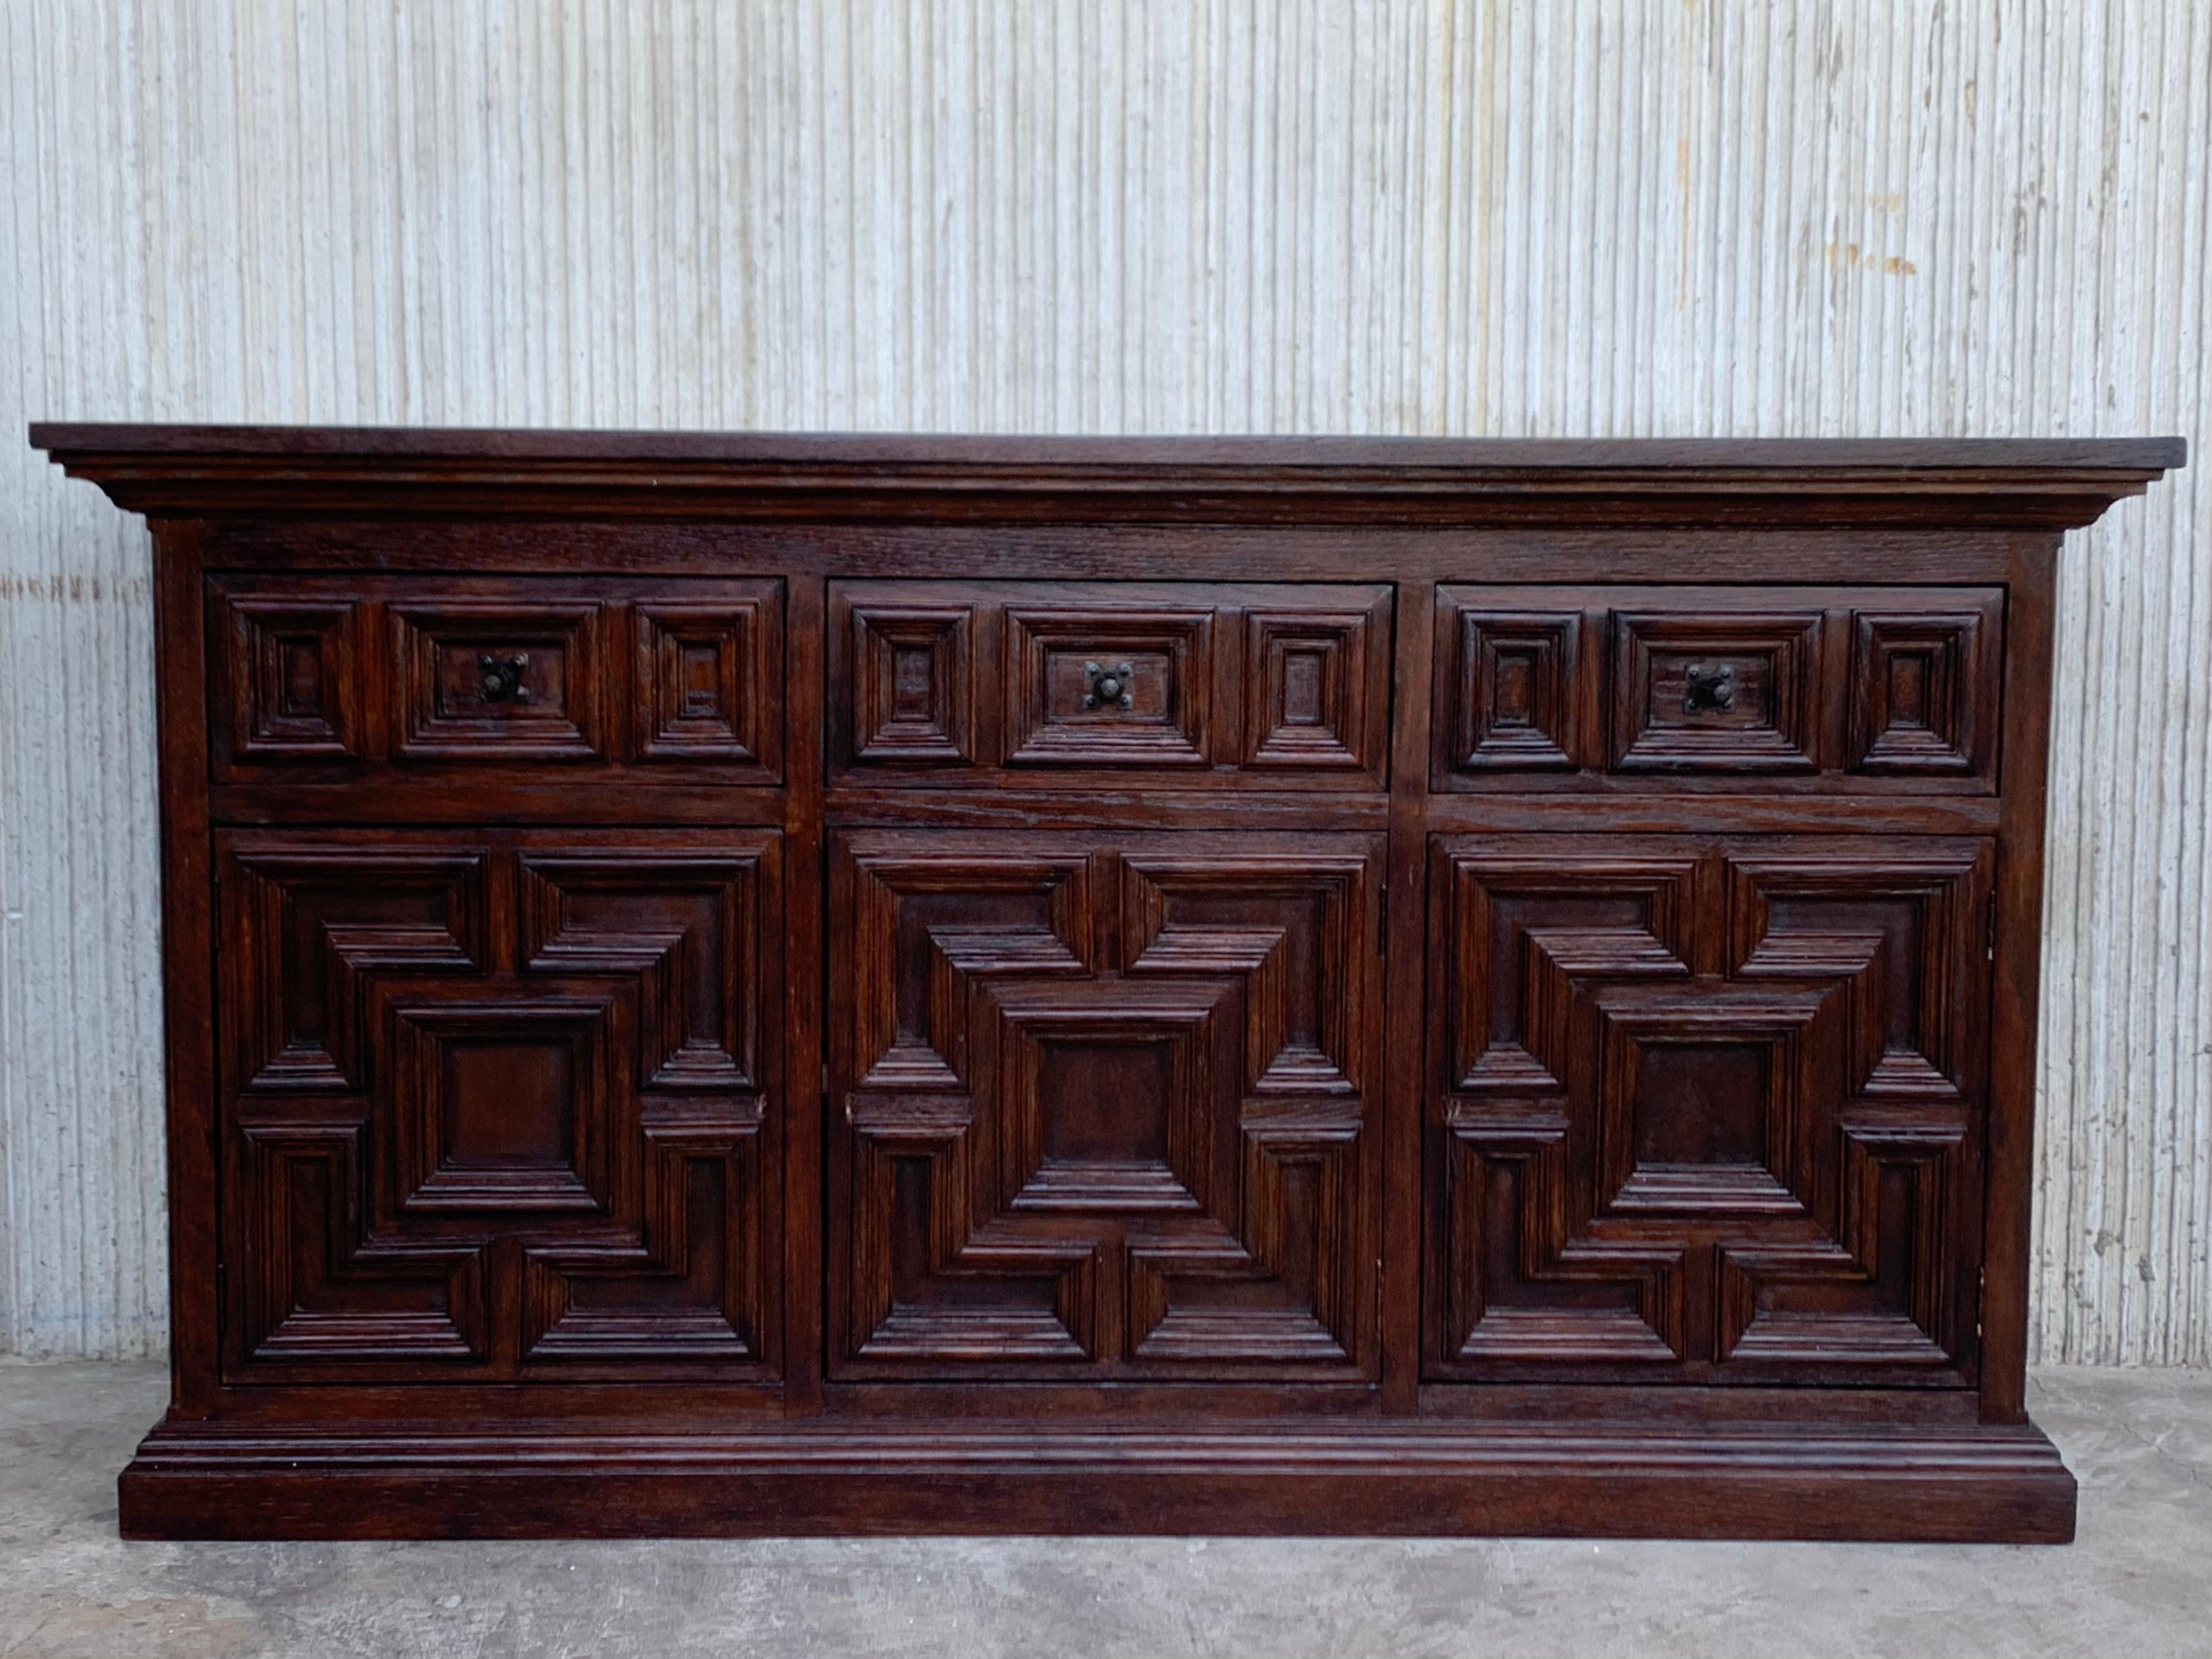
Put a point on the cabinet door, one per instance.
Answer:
(1107, 1105)
(494, 1103)
(1706, 1109)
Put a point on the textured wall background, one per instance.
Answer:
(1567, 217)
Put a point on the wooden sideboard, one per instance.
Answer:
(752, 984)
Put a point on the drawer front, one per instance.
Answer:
(1822, 688)
(1270, 684)
(1706, 1109)
(517, 677)
(1107, 1106)
(328, 678)
(495, 1105)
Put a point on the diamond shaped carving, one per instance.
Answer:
(1104, 1104)
(1704, 1111)
(324, 1285)
(684, 924)
(496, 1139)
(314, 922)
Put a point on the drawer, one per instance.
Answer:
(335, 677)
(1269, 684)
(1827, 687)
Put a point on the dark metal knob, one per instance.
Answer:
(1704, 687)
(501, 678)
(1113, 687)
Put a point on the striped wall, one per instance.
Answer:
(1605, 217)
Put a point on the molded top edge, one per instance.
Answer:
(898, 451)
(338, 472)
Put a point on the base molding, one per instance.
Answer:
(1426, 1478)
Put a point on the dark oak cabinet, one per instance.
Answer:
(769, 984)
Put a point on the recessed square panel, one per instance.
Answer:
(1113, 1096)
(502, 1106)
(1700, 1104)
(508, 1105)
(1104, 1103)
(1702, 1095)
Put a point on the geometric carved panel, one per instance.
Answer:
(497, 1105)
(707, 680)
(1316, 686)
(293, 678)
(502, 1105)
(1105, 1105)
(1705, 1114)
(685, 923)
(1923, 698)
(908, 682)
(1508, 698)
(311, 920)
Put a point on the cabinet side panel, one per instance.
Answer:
(2016, 944)
(188, 980)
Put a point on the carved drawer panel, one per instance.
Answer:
(1281, 685)
(332, 678)
(1109, 685)
(1791, 687)
(1706, 1110)
(510, 678)
(495, 1105)
(1108, 1106)
(1702, 692)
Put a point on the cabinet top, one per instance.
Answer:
(246, 470)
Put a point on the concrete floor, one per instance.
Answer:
(2138, 1584)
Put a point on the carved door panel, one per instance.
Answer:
(494, 1104)
(1107, 1105)
(1706, 1109)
